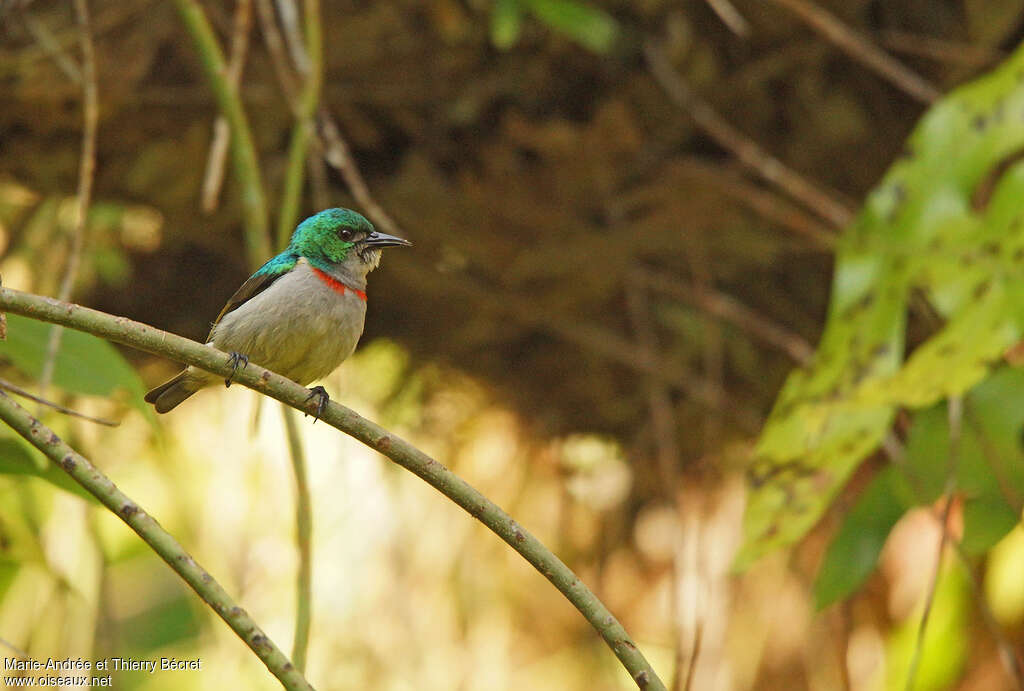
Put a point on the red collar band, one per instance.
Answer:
(336, 285)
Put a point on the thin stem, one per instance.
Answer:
(18, 391)
(213, 181)
(730, 16)
(860, 48)
(303, 130)
(955, 404)
(747, 151)
(149, 339)
(163, 543)
(86, 171)
(244, 161)
(304, 540)
(311, 66)
(730, 310)
(278, 56)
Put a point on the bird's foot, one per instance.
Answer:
(319, 393)
(235, 359)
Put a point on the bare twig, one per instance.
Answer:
(289, 15)
(941, 50)
(659, 401)
(86, 169)
(595, 340)
(860, 48)
(748, 152)
(955, 406)
(278, 56)
(15, 389)
(15, 649)
(730, 16)
(339, 157)
(213, 181)
(693, 657)
(49, 44)
(762, 201)
(730, 310)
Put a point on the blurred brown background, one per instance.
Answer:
(603, 300)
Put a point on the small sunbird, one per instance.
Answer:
(301, 314)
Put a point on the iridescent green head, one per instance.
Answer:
(341, 236)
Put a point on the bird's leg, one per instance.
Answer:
(319, 393)
(236, 359)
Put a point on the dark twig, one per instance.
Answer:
(862, 49)
(955, 405)
(897, 455)
(15, 389)
(693, 657)
(941, 50)
(86, 168)
(730, 310)
(762, 201)
(742, 147)
(339, 157)
(659, 401)
(49, 44)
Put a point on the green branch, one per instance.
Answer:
(147, 338)
(302, 132)
(243, 151)
(304, 540)
(163, 543)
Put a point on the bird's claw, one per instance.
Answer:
(319, 393)
(236, 359)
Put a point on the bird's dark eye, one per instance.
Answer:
(346, 234)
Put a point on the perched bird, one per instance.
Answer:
(301, 313)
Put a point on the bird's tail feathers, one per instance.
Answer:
(173, 391)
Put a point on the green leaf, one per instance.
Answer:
(85, 364)
(16, 459)
(588, 26)
(506, 23)
(989, 463)
(854, 551)
(922, 230)
(987, 520)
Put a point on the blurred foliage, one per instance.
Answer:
(539, 168)
(947, 221)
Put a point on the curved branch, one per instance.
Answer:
(149, 339)
(162, 542)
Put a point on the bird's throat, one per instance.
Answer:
(336, 285)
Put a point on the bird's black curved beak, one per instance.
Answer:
(377, 239)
